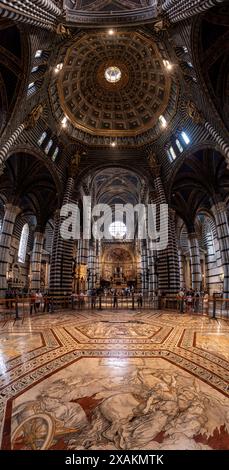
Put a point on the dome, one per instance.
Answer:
(114, 86)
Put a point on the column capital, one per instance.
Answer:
(219, 207)
(192, 236)
(172, 213)
(163, 24)
(157, 171)
(9, 206)
(57, 213)
(152, 196)
(62, 30)
(38, 233)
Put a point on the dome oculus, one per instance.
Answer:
(113, 74)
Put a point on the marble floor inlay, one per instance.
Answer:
(114, 380)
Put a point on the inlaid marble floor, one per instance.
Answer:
(114, 380)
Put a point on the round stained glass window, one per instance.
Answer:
(113, 74)
(118, 229)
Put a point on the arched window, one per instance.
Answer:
(162, 121)
(118, 229)
(48, 146)
(185, 137)
(172, 154)
(38, 54)
(179, 146)
(42, 138)
(55, 154)
(23, 244)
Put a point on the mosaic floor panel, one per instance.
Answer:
(114, 380)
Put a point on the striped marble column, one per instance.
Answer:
(30, 121)
(168, 264)
(198, 118)
(53, 277)
(41, 13)
(62, 252)
(47, 5)
(10, 215)
(151, 269)
(139, 273)
(92, 265)
(138, 263)
(151, 262)
(84, 257)
(173, 260)
(78, 255)
(36, 260)
(178, 10)
(8, 145)
(98, 262)
(222, 228)
(181, 268)
(84, 252)
(195, 261)
(144, 266)
(224, 146)
(89, 265)
(142, 271)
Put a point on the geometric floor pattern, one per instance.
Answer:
(114, 380)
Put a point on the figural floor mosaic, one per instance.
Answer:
(114, 380)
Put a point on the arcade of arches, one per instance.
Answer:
(114, 343)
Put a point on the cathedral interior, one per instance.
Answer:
(111, 343)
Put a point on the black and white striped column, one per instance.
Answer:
(198, 118)
(29, 123)
(172, 259)
(195, 261)
(151, 270)
(138, 263)
(41, 13)
(92, 265)
(36, 260)
(84, 258)
(10, 215)
(222, 228)
(144, 267)
(151, 262)
(84, 252)
(78, 254)
(54, 276)
(62, 252)
(178, 10)
(181, 268)
(98, 263)
(168, 264)
(7, 146)
(224, 146)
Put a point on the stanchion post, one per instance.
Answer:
(16, 309)
(214, 306)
